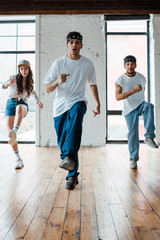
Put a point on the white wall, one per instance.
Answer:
(155, 68)
(51, 44)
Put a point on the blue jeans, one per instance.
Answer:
(11, 106)
(132, 119)
(68, 128)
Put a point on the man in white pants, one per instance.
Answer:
(130, 88)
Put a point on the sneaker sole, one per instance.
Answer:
(133, 167)
(67, 166)
(12, 134)
(12, 141)
(18, 167)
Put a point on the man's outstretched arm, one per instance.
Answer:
(94, 91)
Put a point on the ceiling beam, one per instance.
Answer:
(15, 7)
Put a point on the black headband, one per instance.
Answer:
(74, 36)
(129, 59)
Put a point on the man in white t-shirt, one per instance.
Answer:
(130, 88)
(68, 75)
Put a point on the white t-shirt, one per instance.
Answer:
(127, 84)
(73, 90)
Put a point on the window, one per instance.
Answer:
(124, 37)
(17, 42)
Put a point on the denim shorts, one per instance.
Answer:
(11, 106)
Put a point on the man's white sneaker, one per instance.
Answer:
(133, 164)
(150, 142)
(19, 164)
(13, 137)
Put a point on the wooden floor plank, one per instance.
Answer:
(130, 202)
(26, 215)
(111, 201)
(72, 222)
(71, 229)
(153, 222)
(54, 228)
(106, 227)
(89, 230)
(25, 178)
(30, 183)
(117, 210)
(39, 222)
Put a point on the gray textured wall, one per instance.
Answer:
(51, 44)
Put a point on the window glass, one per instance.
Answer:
(7, 29)
(8, 66)
(26, 43)
(26, 29)
(126, 26)
(7, 43)
(118, 129)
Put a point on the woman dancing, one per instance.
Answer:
(20, 89)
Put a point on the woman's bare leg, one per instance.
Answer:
(10, 124)
(21, 111)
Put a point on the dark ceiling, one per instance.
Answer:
(14, 7)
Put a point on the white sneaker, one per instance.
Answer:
(133, 164)
(19, 164)
(150, 142)
(13, 137)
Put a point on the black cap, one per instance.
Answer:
(129, 58)
(74, 35)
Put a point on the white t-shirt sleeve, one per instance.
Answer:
(119, 81)
(92, 76)
(144, 81)
(52, 73)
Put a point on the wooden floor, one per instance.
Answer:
(111, 201)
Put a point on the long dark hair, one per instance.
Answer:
(29, 82)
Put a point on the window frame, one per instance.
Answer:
(125, 18)
(17, 52)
